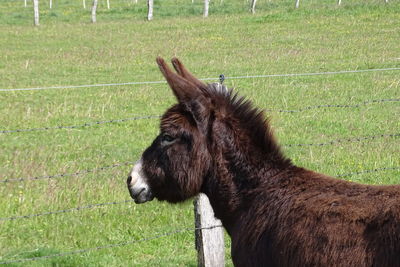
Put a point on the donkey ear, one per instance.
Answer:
(183, 89)
(190, 93)
(182, 71)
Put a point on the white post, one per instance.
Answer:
(108, 4)
(150, 11)
(339, 2)
(25, 2)
(253, 6)
(209, 242)
(206, 4)
(84, 4)
(36, 12)
(297, 3)
(386, 1)
(94, 8)
(51, 4)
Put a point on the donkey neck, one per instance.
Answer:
(246, 158)
(236, 178)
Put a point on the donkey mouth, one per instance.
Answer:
(141, 196)
(137, 185)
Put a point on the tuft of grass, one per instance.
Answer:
(68, 50)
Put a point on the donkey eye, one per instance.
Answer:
(167, 139)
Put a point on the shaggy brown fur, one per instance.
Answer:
(277, 214)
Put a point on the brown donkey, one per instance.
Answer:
(277, 214)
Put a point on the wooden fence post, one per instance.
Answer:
(36, 12)
(94, 8)
(209, 242)
(297, 3)
(206, 5)
(150, 12)
(253, 6)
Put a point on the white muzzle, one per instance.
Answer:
(137, 185)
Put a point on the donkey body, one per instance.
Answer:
(277, 214)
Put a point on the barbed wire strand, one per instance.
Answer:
(203, 79)
(121, 244)
(332, 142)
(89, 124)
(336, 105)
(90, 206)
(67, 174)
(344, 140)
(368, 171)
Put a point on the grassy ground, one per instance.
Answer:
(67, 50)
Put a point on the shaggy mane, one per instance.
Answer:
(251, 119)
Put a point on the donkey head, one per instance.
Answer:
(174, 167)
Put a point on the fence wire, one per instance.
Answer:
(203, 79)
(67, 174)
(88, 124)
(91, 206)
(368, 171)
(344, 140)
(364, 103)
(121, 244)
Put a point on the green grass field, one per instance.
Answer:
(68, 50)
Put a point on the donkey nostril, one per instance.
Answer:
(129, 179)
